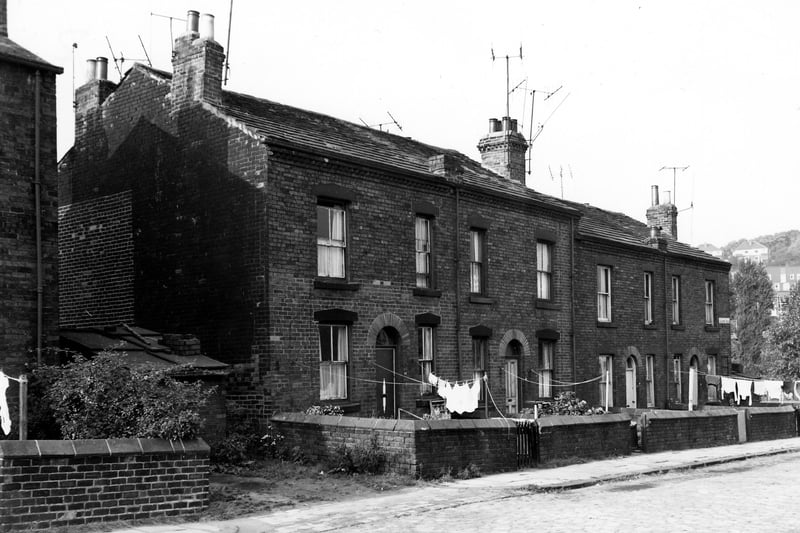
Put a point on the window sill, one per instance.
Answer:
(606, 324)
(336, 285)
(547, 304)
(477, 299)
(649, 326)
(678, 327)
(430, 293)
(712, 329)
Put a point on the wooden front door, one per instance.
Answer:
(385, 379)
(512, 395)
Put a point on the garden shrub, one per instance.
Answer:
(565, 403)
(242, 443)
(334, 410)
(103, 397)
(359, 459)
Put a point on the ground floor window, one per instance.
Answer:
(650, 363)
(606, 380)
(333, 357)
(426, 350)
(676, 378)
(546, 349)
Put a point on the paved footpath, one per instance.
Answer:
(344, 515)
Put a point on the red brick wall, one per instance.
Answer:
(18, 292)
(768, 423)
(627, 335)
(48, 484)
(565, 437)
(680, 430)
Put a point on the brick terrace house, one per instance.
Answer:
(326, 261)
(28, 205)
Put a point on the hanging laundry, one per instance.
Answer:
(458, 398)
(5, 416)
(743, 387)
(760, 388)
(774, 389)
(728, 385)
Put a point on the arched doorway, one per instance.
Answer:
(630, 382)
(385, 371)
(513, 355)
(694, 364)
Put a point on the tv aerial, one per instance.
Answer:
(380, 125)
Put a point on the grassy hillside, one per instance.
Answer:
(784, 247)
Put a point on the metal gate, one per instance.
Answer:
(527, 444)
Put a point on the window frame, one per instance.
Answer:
(329, 242)
(711, 364)
(427, 277)
(647, 279)
(650, 371)
(677, 379)
(332, 363)
(604, 276)
(606, 379)
(710, 307)
(477, 264)
(480, 360)
(546, 363)
(544, 272)
(426, 357)
(676, 300)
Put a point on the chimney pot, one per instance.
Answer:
(654, 195)
(192, 18)
(91, 69)
(102, 68)
(506, 123)
(494, 125)
(207, 26)
(669, 197)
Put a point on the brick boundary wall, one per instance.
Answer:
(424, 448)
(563, 437)
(768, 423)
(59, 483)
(680, 430)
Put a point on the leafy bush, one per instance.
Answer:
(102, 397)
(334, 410)
(359, 459)
(241, 444)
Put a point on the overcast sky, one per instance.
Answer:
(712, 85)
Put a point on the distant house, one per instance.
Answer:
(711, 250)
(783, 280)
(751, 251)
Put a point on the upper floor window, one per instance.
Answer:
(333, 356)
(546, 349)
(422, 231)
(676, 300)
(709, 302)
(331, 240)
(603, 293)
(648, 297)
(426, 351)
(544, 270)
(477, 261)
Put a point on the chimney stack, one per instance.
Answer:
(663, 216)
(197, 62)
(3, 19)
(503, 149)
(91, 95)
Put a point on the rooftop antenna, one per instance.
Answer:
(228, 47)
(171, 20)
(560, 176)
(380, 125)
(74, 100)
(114, 57)
(539, 129)
(508, 91)
(674, 184)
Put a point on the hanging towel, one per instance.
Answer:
(743, 387)
(728, 385)
(5, 416)
(774, 389)
(760, 387)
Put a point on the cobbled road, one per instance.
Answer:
(754, 495)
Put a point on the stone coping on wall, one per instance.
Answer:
(571, 420)
(770, 410)
(668, 414)
(388, 424)
(10, 449)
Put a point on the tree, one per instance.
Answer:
(782, 347)
(752, 302)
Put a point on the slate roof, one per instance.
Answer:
(749, 245)
(14, 53)
(609, 225)
(319, 132)
(138, 346)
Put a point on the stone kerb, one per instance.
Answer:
(47, 484)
